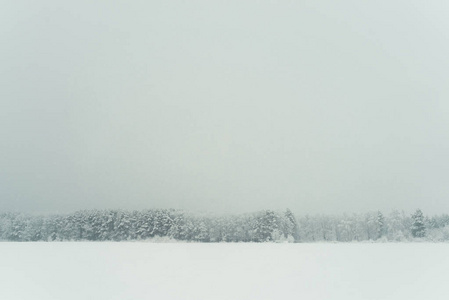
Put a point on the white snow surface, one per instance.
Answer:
(136, 270)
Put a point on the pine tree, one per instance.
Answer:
(381, 228)
(418, 227)
(292, 225)
(265, 225)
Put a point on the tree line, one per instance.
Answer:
(263, 226)
(121, 225)
(374, 226)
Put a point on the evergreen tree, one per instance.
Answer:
(292, 225)
(418, 227)
(381, 227)
(265, 225)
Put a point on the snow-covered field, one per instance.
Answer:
(123, 271)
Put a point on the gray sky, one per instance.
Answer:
(320, 106)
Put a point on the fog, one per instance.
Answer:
(227, 106)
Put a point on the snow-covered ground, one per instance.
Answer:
(123, 271)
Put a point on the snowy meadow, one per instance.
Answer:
(137, 270)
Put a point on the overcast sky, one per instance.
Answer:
(319, 106)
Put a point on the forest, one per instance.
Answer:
(262, 226)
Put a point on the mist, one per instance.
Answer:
(318, 106)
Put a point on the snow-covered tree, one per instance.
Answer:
(291, 226)
(266, 224)
(418, 228)
(381, 226)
